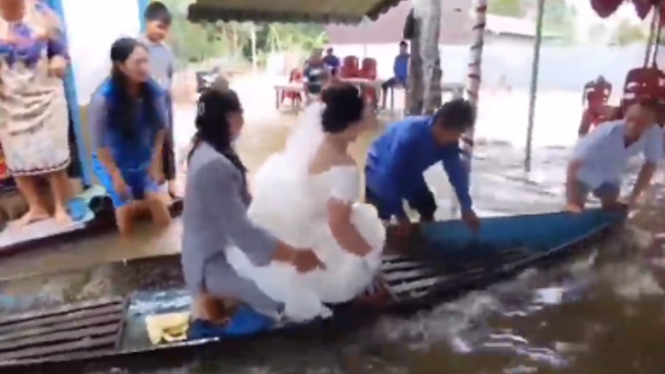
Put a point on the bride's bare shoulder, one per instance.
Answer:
(327, 158)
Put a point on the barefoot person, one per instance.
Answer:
(128, 121)
(33, 108)
(600, 158)
(215, 219)
(308, 195)
(396, 162)
(162, 66)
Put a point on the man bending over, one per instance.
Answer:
(600, 158)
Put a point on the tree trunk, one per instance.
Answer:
(424, 96)
(429, 14)
(415, 92)
(474, 76)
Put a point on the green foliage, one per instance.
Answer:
(192, 43)
(508, 8)
(627, 33)
(559, 19)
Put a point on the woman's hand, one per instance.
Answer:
(57, 66)
(303, 260)
(306, 260)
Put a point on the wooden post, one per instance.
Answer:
(475, 73)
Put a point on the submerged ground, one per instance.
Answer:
(601, 313)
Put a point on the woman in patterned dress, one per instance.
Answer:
(33, 108)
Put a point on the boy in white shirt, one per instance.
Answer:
(600, 158)
(162, 67)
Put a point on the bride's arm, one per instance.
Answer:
(343, 230)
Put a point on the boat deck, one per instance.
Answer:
(70, 331)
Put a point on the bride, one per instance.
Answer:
(308, 196)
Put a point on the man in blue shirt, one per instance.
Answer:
(400, 71)
(397, 160)
(331, 62)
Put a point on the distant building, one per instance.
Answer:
(456, 27)
(456, 24)
(379, 39)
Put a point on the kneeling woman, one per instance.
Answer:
(215, 219)
(128, 119)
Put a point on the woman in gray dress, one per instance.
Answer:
(215, 218)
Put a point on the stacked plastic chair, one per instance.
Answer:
(596, 94)
(368, 70)
(349, 67)
(296, 97)
(646, 83)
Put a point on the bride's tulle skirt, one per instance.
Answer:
(283, 205)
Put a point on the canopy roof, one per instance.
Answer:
(606, 8)
(323, 11)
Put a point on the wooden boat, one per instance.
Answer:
(443, 260)
(98, 218)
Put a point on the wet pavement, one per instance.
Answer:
(600, 313)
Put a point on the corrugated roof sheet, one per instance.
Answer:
(324, 11)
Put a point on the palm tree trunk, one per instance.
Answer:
(475, 72)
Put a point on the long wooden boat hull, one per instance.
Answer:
(444, 260)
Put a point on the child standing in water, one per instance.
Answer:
(162, 66)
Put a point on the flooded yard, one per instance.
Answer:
(603, 312)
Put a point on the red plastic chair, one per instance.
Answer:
(349, 67)
(368, 70)
(4, 171)
(596, 94)
(644, 83)
(296, 98)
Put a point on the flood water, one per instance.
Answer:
(603, 312)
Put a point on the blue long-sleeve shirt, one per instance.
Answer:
(401, 67)
(397, 160)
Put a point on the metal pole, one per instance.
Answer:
(474, 73)
(534, 83)
(253, 33)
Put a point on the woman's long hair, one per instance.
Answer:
(212, 123)
(123, 111)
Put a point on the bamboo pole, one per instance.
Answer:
(534, 83)
(474, 73)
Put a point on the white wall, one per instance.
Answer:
(92, 26)
(561, 68)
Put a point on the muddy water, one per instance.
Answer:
(602, 313)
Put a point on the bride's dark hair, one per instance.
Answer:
(344, 106)
(212, 124)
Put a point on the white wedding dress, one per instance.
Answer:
(291, 204)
